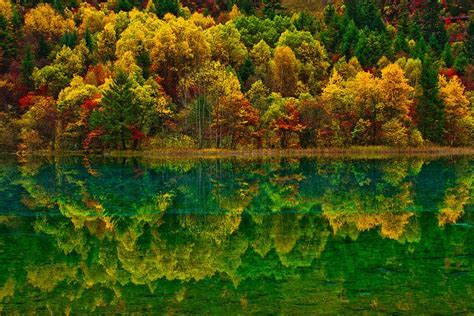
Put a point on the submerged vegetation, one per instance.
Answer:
(129, 74)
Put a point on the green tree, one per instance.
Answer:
(447, 56)
(430, 109)
(117, 112)
(272, 7)
(27, 66)
(161, 7)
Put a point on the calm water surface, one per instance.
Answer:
(236, 236)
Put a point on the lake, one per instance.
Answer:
(311, 235)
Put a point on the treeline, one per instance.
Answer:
(153, 74)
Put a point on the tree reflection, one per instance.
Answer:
(110, 229)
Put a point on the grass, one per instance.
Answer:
(355, 151)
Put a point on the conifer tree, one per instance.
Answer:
(430, 109)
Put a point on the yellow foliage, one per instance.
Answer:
(44, 20)
(202, 21)
(178, 47)
(92, 19)
(234, 13)
(459, 128)
(6, 9)
(47, 277)
(285, 71)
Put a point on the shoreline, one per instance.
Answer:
(263, 153)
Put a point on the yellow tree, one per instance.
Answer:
(6, 9)
(45, 21)
(338, 100)
(459, 121)
(179, 48)
(397, 99)
(366, 107)
(285, 71)
(261, 54)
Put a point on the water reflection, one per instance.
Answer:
(245, 236)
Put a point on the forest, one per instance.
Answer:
(241, 74)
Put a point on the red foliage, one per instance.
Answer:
(448, 72)
(137, 134)
(26, 101)
(90, 104)
(288, 123)
(335, 58)
(91, 136)
(96, 75)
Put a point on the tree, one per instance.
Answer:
(245, 72)
(7, 43)
(261, 55)
(432, 26)
(272, 7)
(339, 101)
(236, 120)
(430, 109)
(179, 47)
(371, 46)
(38, 124)
(365, 14)
(117, 112)
(43, 20)
(287, 123)
(71, 117)
(448, 55)
(225, 44)
(162, 7)
(285, 71)
(27, 66)
(349, 40)
(459, 120)
(397, 100)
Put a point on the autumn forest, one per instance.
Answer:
(241, 74)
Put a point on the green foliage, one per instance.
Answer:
(69, 39)
(162, 7)
(117, 112)
(27, 66)
(430, 108)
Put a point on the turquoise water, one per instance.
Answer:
(237, 236)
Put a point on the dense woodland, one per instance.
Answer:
(129, 74)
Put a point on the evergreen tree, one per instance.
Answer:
(124, 5)
(430, 108)
(432, 26)
(69, 39)
(272, 8)
(26, 69)
(364, 13)
(166, 6)
(89, 41)
(144, 62)
(58, 5)
(469, 43)
(447, 55)
(43, 50)
(7, 44)
(246, 70)
(118, 112)
(461, 62)
(349, 40)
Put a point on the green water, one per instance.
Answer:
(237, 236)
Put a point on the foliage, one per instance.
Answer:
(361, 72)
